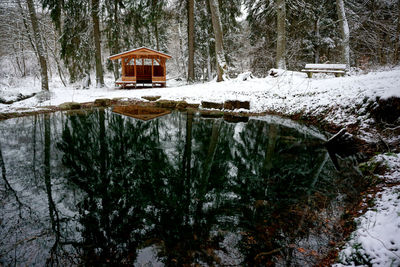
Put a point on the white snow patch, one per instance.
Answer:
(376, 241)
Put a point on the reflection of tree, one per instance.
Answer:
(113, 165)
(54, 218)
(138, 194)
(274, 189)
(8, 187)
(184, 225)
(140, 190)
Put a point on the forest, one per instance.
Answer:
(72, 39)
(227, 159)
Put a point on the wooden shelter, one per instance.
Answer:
(142, 66)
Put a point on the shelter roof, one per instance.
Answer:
(141, 51)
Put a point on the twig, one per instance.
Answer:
(267, 253)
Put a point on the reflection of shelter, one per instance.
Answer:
(141, 113)
(142, 65)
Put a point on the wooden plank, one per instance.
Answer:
(128, 78)
(326, 66)
(159, 79)
(324, 71)
(125, 82)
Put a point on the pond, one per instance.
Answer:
(100, 188)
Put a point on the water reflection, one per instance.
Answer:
(102, 188)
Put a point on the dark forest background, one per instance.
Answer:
(75, 37)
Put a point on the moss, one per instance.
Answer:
(166, 104)
(193, 105)
(69, 105)
(151, 98)
(181, 105)
(102, 102)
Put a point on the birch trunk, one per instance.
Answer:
(222, 67)
(37, 39)
(344, 29)
(191, 40)
(281, 31)
(96, 36)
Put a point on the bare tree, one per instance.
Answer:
(344, 29)
(397, 39)
(190, 11)
(96, 35)
(222, 66)
(37, 38)
(281, 31)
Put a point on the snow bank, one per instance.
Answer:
(376, 242)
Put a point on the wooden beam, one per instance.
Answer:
(165, 71)
(134, 60)
(123, 66)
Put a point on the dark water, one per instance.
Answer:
(104, 189)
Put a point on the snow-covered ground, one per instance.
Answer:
(342, 101)
(289, 93)
(376, 241)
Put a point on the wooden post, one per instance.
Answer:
(123, 67)
(165, 73)
(134, 60)
(152, 71)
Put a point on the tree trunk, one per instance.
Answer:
(157, 11)
(318, 38)
(269, 153)
(344, 29)
(209, 64)
(54, 218)
(222, 66)
(115, 39)
(281, 31)
(191, 40)
(397, 40)
(96, 35)
(181, 48)
(38, 44)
